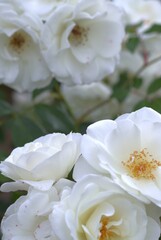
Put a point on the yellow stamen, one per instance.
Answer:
(78, 35)
(141, 165)
(105, 233)
(19, 42)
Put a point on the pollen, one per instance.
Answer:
(141, 165)
(105, 233)
(78, 35)
(19, 41)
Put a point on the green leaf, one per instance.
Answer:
(155, 85)
(132, 43)
(37, 92)
(3, 155)
(2, 135)
(132, 28)
(156, 104)
(23, 130)
(141, 104)
(83, 127)
(155, 28)
(5, 108)
(137, 82)
(153, 103)
(121, 88)
(54, 118)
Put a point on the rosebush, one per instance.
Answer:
(80, 105)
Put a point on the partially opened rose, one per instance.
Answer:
(41, 162)
(97, 209)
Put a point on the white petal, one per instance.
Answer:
(99, 130)
(82, 168)
(124, 140)
(107, 40)
(44, 185)
(13, 186)
(153, 230)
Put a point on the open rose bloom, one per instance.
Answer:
(21, 55)
(81, 42)
(127, 149)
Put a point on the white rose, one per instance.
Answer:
(144, 11)
(101, 210)
(41, 8)
(28, 217)
(129, 150)
(41, 162)
(22, 66)
(82, 41)
(149, 50)
(84, 98)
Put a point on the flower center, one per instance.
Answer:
(78, 35)
(105, 233)
(19, 41)
(141, 165)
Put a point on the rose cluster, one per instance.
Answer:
(103, 185)
(74, 41)
(141, 54)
